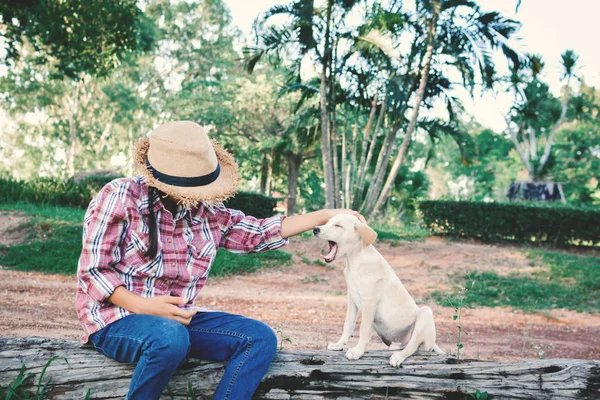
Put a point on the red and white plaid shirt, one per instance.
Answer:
(116, 235)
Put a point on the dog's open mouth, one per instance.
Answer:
(329, 257)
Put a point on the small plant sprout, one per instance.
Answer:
(458, 309)
(16, 390)
(541, 349)
(282, 338)
(479, 395)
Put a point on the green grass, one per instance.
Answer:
(401, 233)
(53, 245)
(227, 263)
(565, 281)
(390, 233)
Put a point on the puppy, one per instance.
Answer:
(375, 291)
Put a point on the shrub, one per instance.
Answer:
(55, 191)
(255, 204)
(522, 222)
(52, 191)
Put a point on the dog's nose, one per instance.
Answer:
(316, 230)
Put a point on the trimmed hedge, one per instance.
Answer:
(255, 204)
(522, 222)
(52, 191)
(68, 193)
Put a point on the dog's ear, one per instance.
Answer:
(367, 234)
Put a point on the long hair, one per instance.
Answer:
(152, 226)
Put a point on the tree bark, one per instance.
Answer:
(264, 173)
(343, 179)
(307, 374)
(362, 168)
(73, 131)
(294, 162)
(381, 168)
(325, 135)
(351, 168)
(557, 124)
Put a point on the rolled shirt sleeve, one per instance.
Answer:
(104, 225)
(247, 234)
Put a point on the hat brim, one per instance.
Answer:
(224, 187)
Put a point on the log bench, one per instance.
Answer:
(308, 374)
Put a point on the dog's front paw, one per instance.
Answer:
(335, 346)
(396, 359)
(354, 353)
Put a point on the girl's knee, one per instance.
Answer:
(265, 337)
(170, 339)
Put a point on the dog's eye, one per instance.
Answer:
(337, 225)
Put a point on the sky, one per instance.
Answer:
(549, 27)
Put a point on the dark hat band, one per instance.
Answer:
(184, 182)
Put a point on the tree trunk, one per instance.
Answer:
(363, 154)
(344, 182)
(381, 168)
(387, 187)
(307, 374)
(336, 173)
(557, 124)
(294, 162)
(73, 131)
(351, 168)
(325, 136)
(264, 173)
(360, 190)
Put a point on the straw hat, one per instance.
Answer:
(179, 159)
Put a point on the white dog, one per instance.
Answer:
(376, 291)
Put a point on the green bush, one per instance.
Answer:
(521, 222)
(52, 191)
(55, 191)
(254, 204)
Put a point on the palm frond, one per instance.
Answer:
(278, 10)
(448, 4)
(569, 60)
(536, 64)
(382, 41)
(251, 57)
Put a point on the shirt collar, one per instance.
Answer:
(182, 212)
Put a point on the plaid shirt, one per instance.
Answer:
(116, 235)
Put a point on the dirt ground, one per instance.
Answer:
(306, 302)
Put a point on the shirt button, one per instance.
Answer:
(170, 240)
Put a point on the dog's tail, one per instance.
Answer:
(437, 349)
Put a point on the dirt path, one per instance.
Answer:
(307, 302)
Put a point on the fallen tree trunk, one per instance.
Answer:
(307, 375)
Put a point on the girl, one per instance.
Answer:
(148, 245)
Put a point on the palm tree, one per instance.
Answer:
(312, 33)
(458, 35)
(296, 145)
(537, 111)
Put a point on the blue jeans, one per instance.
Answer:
(159, 345)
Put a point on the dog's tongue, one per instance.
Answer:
(329, 257)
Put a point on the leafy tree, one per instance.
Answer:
(76, 36)
(311, 34)
(575, 160)
(537, 115)
(458, 34)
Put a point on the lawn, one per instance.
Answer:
(53, 245)
(563, 281)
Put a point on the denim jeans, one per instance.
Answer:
(159, 345)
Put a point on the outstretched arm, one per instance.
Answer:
(296, 224)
